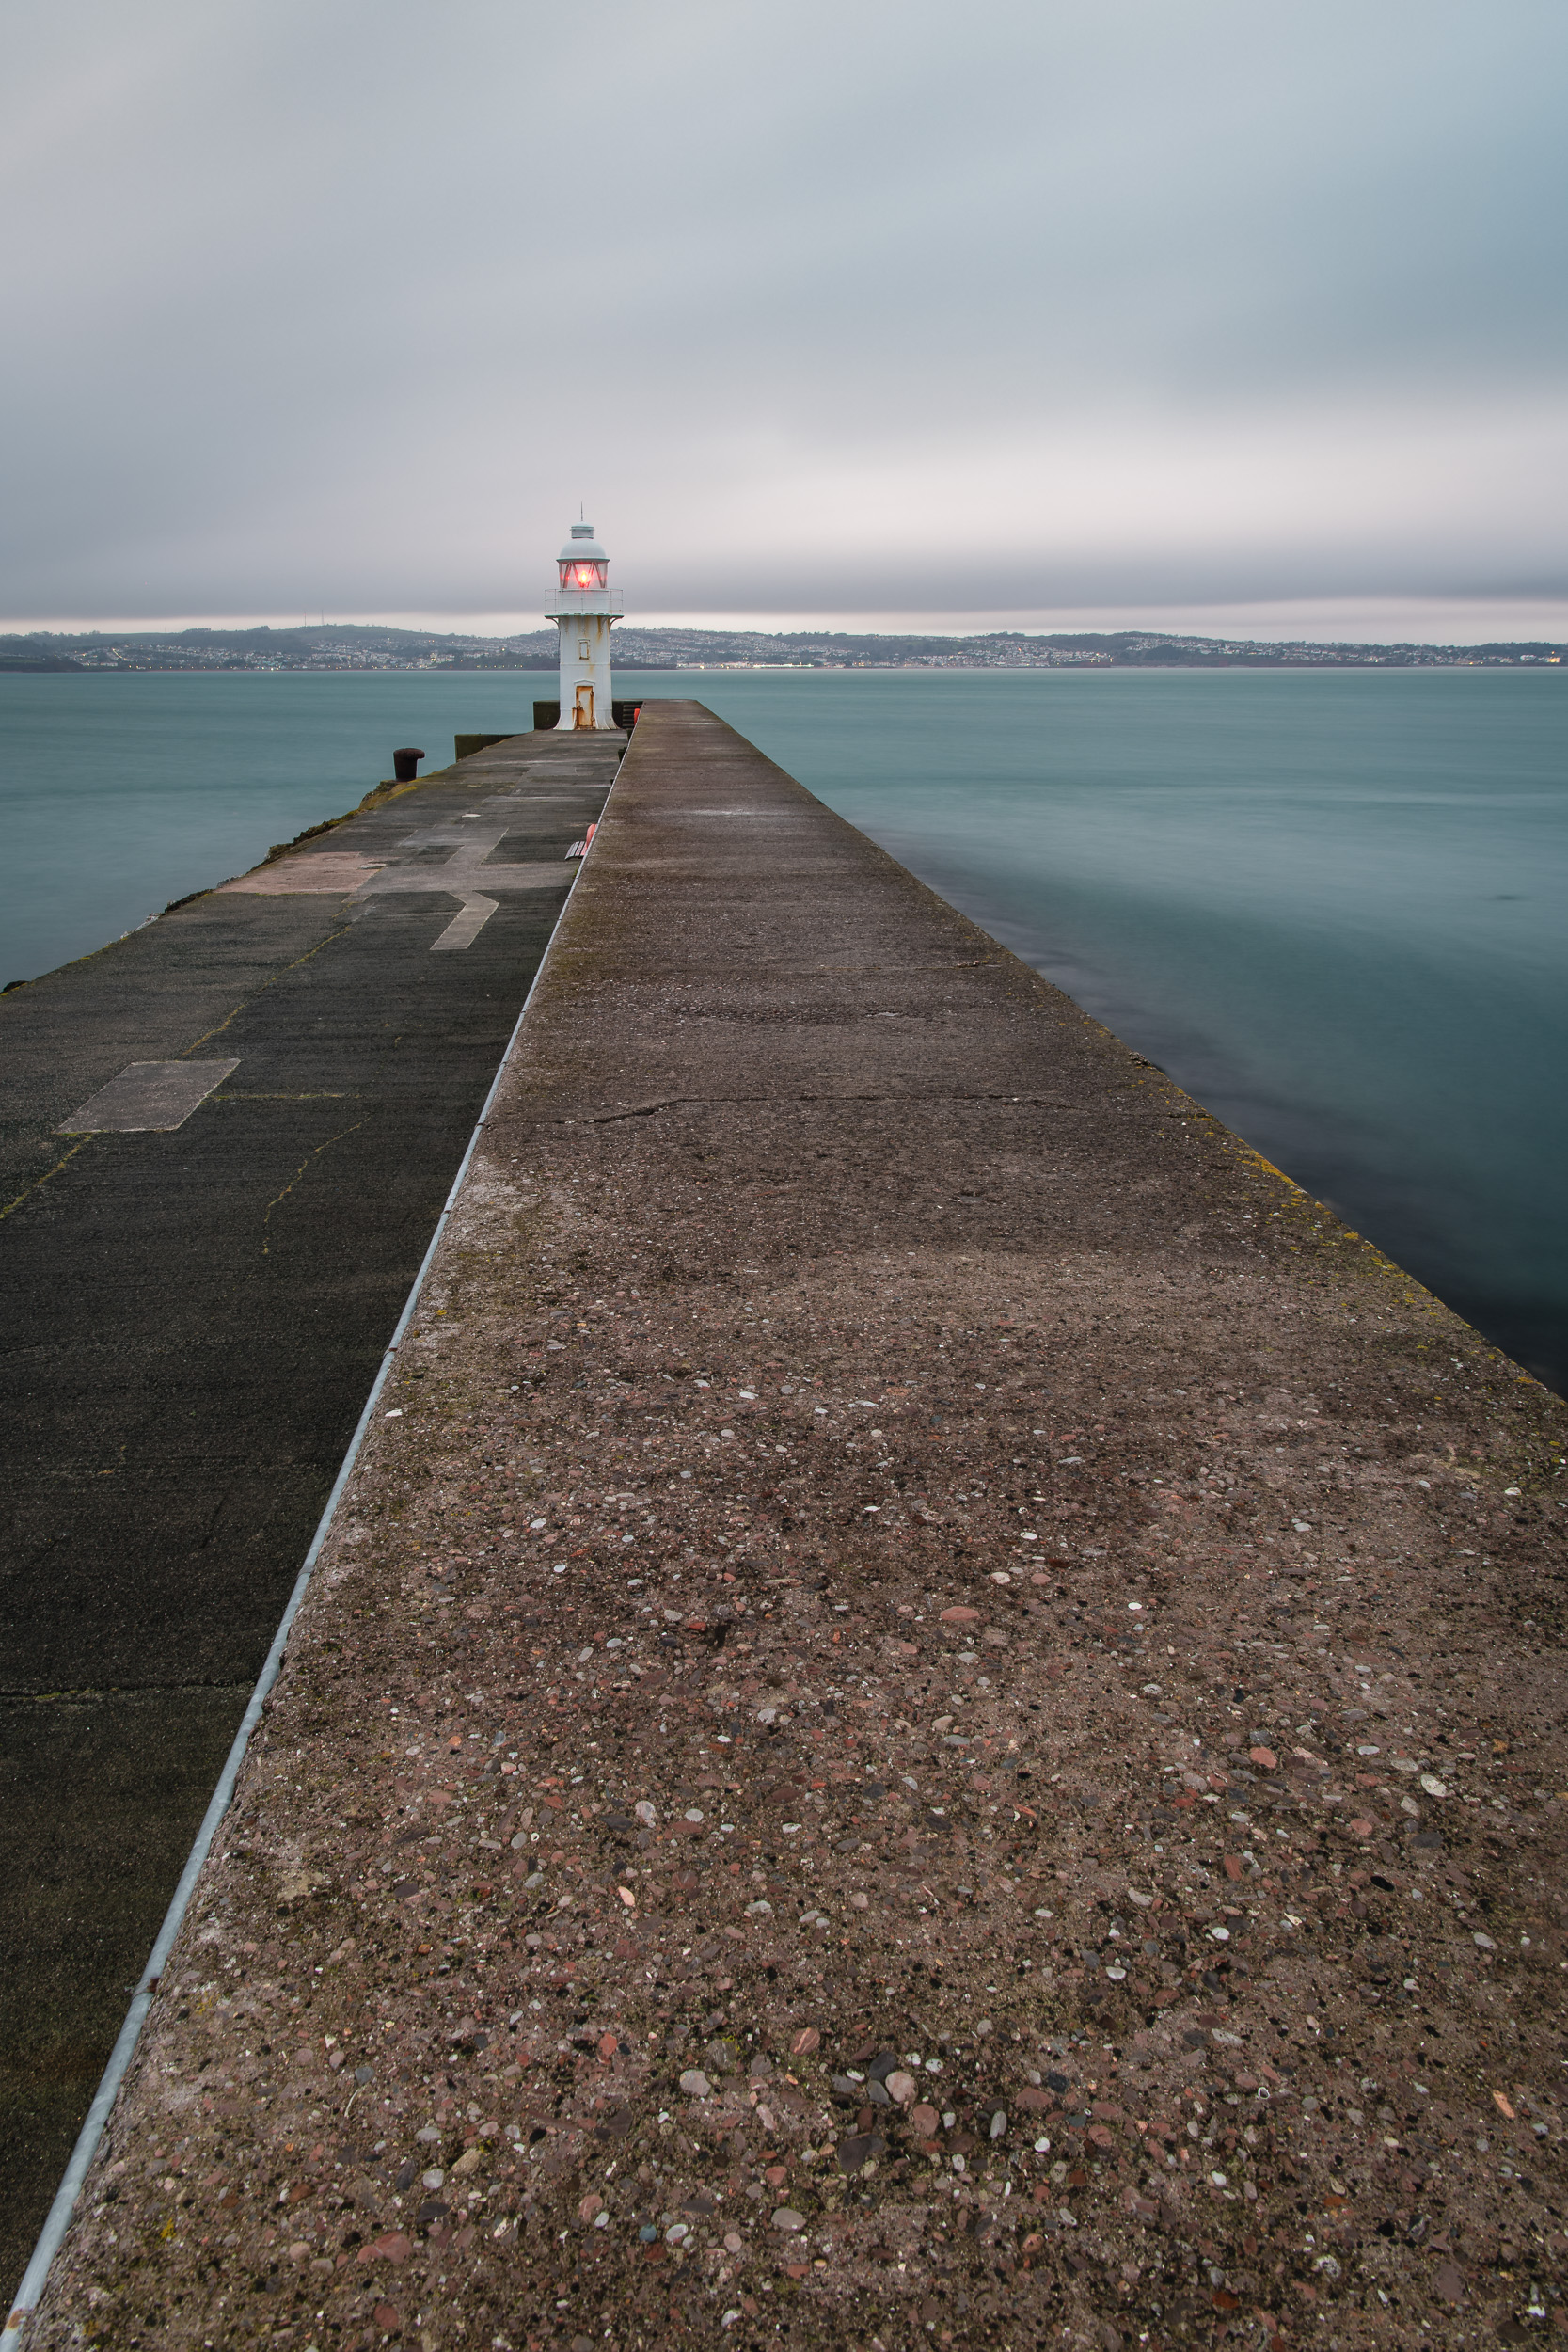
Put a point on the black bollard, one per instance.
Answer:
(405, 765)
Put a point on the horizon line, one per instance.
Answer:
(1348, 620)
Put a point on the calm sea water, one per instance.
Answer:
(1331, 906)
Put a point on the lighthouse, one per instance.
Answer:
(585, 611)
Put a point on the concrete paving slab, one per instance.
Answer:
(149, 1097)
(324, 873)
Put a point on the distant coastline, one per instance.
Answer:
(336, 647)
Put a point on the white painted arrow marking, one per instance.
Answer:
(467, 924)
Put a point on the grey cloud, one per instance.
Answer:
(342, 306)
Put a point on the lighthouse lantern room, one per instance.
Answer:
(585, 610)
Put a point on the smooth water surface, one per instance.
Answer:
(1329, 904)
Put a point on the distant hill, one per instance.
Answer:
(356, 646)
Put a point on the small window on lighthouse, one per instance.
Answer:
(584, 574)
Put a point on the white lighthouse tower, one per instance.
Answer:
(585, 612)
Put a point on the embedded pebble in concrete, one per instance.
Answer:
(955, 1279)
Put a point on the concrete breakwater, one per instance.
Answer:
(932, 1713)
(200, 1267)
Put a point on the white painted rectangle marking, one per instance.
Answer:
(148, 1098)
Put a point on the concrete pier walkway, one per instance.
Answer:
(225, 1142)
(934, 1714)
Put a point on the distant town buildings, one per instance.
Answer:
(347, 647)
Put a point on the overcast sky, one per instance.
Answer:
(869, 311)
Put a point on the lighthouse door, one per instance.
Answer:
(582, 715)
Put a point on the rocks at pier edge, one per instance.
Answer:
(933, 1716)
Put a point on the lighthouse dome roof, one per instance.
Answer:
(582, 548)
